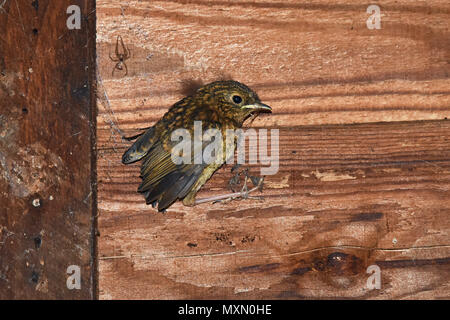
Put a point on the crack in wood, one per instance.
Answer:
(343, 247)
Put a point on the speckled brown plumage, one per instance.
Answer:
(222, 105)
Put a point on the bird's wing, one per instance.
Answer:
(140, 147)
(145, 142)
(163, 181)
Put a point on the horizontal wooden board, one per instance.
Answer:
(345, 197)
(314, 62)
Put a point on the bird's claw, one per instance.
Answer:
(243, 194)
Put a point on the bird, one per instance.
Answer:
(220, 105)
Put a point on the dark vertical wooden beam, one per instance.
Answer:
(47, 150)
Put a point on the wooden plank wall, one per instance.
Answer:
(47, 151)
(364, 150)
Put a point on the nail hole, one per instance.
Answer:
(34, 277)
(37, 242)
(36, 203)
(35, 4)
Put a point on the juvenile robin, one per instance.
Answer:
(219, 105)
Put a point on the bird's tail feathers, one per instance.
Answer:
(139, 148)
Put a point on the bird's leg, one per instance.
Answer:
(244, 194)
(235, 180)
(244, 187)
(257, 185)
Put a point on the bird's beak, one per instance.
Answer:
(257, 106)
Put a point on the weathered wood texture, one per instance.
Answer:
(373, 193)
(47, 158)
(346, 196)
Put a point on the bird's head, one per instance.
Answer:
(232, 100)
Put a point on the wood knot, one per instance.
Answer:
(37, 241)
(339, 263)
(339, 269)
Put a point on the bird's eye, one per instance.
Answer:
(237, 99)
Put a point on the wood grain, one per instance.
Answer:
(362, 194)
(351, 191)
(47, 158)
(313, 62)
